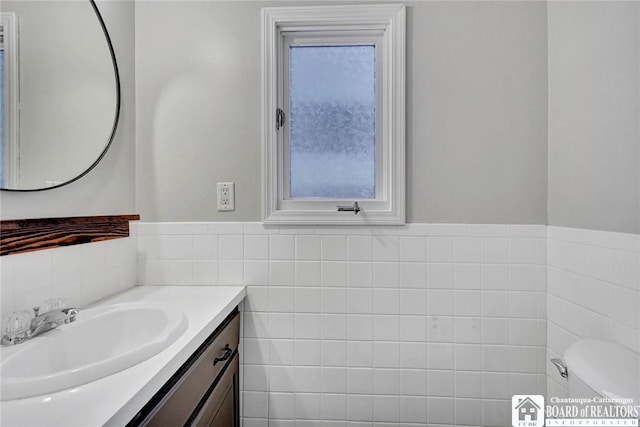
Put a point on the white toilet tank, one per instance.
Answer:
(599, 368)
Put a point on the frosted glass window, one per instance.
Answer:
(332, 139)
(333, 114)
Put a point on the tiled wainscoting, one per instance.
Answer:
(422, 324)
(82, 274)
(594, 284)
(436, 324)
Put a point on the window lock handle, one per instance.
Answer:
(279, 118)
(355, 208)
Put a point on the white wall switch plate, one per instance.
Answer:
(226, 196)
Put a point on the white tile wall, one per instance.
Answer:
(82, 274)
(423, 324)
(593, 292)
(434, 324)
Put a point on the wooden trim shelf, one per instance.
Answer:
(34, 234)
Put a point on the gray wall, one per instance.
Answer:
(109, 188)
(594, 115)
(476, 97)
(477, 93)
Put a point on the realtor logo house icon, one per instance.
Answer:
(527, 411)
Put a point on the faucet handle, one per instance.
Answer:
(53, 304)
(36, 311)
(17, 323)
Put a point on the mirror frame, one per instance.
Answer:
(116, 118)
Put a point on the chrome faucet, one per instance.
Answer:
(40, 324)
(51, 320)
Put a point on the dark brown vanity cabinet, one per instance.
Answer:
(220, 409)
(205, 390)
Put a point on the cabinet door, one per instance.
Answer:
(183, 398)
(222, 407)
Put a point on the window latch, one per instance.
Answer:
(279, 118)
(355, 208)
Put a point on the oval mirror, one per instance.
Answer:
(60, 92)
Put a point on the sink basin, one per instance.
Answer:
(102, 341)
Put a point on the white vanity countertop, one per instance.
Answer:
(116, 399)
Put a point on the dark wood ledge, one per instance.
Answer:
(34, 234)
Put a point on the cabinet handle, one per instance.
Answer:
(227, 354)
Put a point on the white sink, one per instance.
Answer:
(102, 341)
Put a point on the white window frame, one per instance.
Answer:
(11, 155)
(379, 24)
